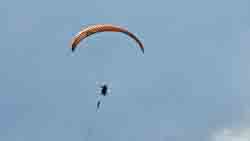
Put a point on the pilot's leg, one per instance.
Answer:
(98, 104)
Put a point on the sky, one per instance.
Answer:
(191, 84)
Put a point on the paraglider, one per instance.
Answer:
(104, 91)
(98, 28)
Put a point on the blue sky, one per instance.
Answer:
(191, 84)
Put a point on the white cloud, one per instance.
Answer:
(237, 132)
(232, 135)
(240, 131)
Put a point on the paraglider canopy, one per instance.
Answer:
(98, 28)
